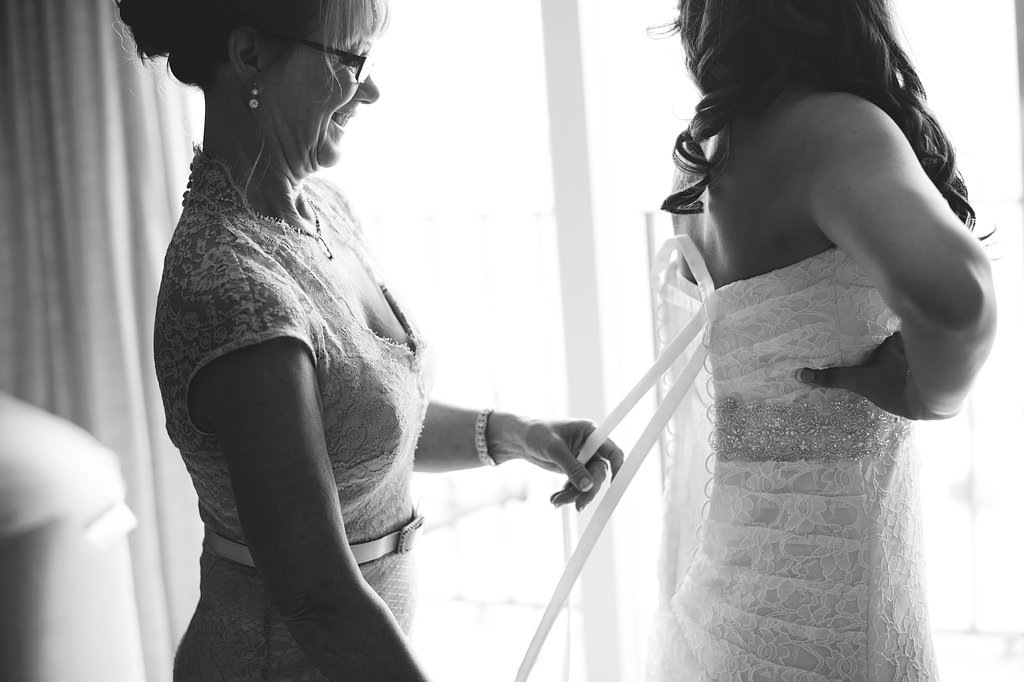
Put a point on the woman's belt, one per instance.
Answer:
(399, 542)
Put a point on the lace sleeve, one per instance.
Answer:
(220, 291)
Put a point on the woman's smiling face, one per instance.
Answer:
(306, 99)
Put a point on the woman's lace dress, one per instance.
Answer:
(233, 278)
(792, 546)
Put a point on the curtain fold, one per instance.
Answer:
(94, 154)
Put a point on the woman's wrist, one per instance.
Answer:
(504, 436)
(480, 437)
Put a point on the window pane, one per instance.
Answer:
(967, 57)
(971, 465)
(451, 172)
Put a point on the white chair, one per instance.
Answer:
(67, 602)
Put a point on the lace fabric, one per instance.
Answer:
(792, 546)
(233, 278)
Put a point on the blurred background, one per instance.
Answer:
(508, 179)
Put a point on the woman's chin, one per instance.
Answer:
(328, 154)
(330, 146)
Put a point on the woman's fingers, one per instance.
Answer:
(612, 454)
(833, 377)
(566, 494)
(599, 469)
(882, 379)
(570, 438)
(577, 473)
(584, 480)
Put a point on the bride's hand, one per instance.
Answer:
(553, 446)
(884, 379)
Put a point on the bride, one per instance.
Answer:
(845, 298)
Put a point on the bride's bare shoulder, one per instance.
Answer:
(811, 132)
(823, 121)
(822, 108)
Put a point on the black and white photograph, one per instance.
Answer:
(539, 341)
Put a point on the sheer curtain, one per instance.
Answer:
(93, 159)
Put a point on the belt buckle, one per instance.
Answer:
(407, 536)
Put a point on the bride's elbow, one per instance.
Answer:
(961, 301)
(972, 309)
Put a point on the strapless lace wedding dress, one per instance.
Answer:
(792, 544)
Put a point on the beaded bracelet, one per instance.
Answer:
(481, 437)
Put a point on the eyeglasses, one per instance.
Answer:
(358, 64)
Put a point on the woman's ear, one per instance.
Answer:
(245, 53)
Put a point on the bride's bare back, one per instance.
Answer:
(756, 218)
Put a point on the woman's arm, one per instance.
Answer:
(448, 443)
(262, 402)
(870, 196)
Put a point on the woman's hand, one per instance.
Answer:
(884, 379)
(553, 446)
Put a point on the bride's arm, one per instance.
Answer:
(868, 193)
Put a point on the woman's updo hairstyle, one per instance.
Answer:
(193, 34)
(743, 53)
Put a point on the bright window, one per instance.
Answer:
(452, 173)
(971, 464)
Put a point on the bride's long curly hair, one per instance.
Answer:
(743, 53)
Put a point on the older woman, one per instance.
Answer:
(294, 384)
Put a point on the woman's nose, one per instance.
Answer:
(368, 91)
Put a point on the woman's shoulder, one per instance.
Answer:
(200, 228)
(813, 132)
(221, 289)
(218, 258)
(822, 108)
(209, 240)
(824, 121)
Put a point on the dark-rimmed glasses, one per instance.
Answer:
(359, 64)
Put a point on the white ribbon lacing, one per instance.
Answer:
(683, 245)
